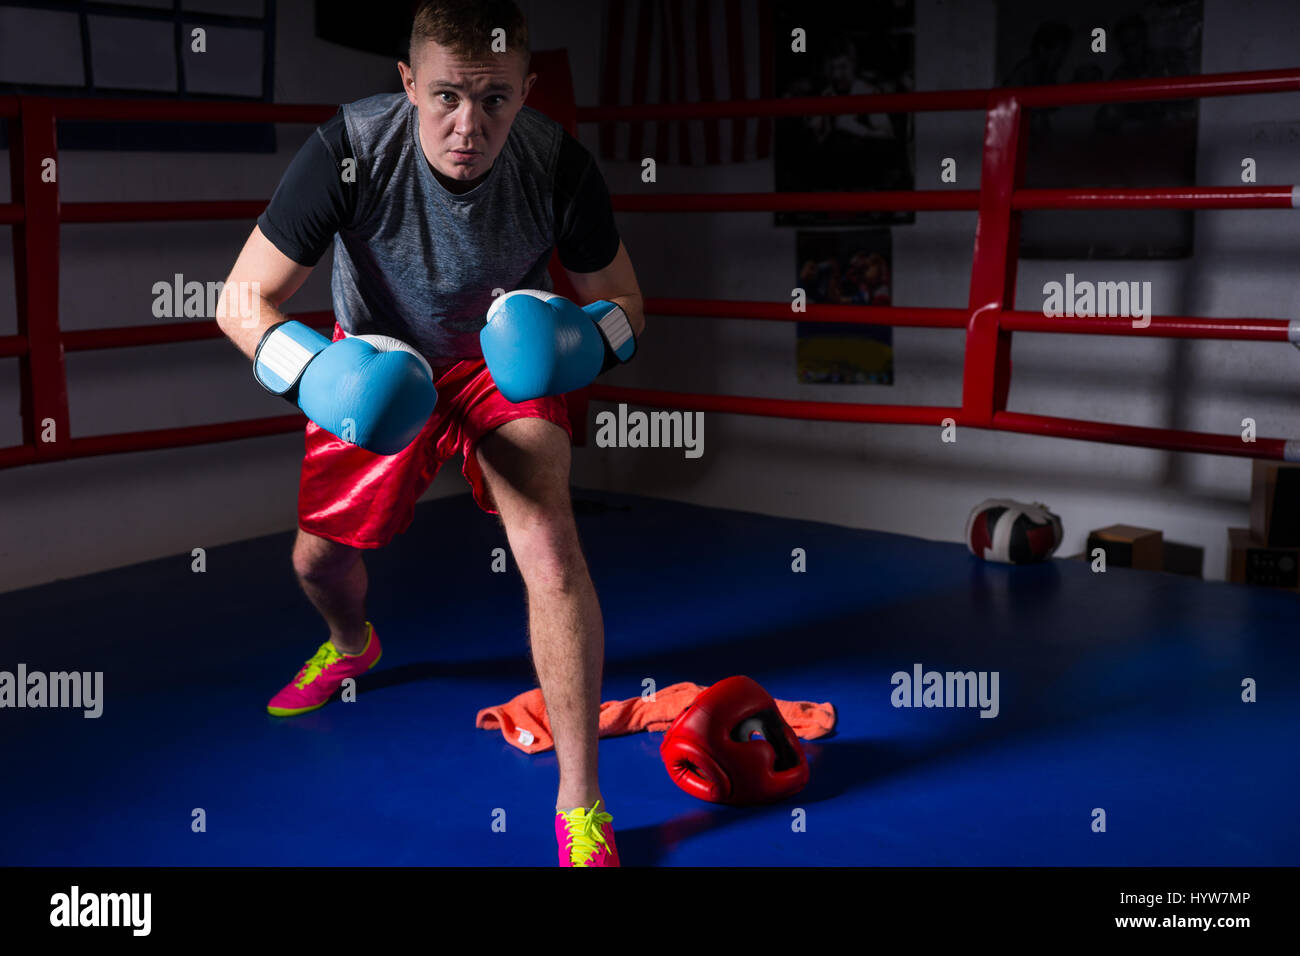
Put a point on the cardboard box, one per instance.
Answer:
(1127, 546)
(1253, 561)
(1275, 503)
(1188, 559)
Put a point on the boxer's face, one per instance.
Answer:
(465, 107)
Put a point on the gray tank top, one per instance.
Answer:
(420, 263)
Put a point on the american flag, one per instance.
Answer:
(687, 51)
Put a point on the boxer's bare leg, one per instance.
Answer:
(333, 577)
(526, 466)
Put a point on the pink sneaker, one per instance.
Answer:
(321, 676)
(586, 837)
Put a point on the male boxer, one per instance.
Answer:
(437, 199)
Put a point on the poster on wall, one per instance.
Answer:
(849, 267)
(855, 49)
(1104, 145)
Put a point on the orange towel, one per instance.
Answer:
(523, 721)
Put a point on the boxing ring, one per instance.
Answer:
(1133, 707)
(989, 317)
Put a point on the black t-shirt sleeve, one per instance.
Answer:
(585, 234)
(312, 202)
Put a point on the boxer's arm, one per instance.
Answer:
(262, 279)
(310, 204)
(615, 283)
(586, 235)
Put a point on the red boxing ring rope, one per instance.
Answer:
(988, 318)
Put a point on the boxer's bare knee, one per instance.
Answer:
(548, 553)
(319, 559)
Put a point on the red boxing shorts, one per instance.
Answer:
(355, 497)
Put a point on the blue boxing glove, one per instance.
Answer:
(539, 343)
(372, 391)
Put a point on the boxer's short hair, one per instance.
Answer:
(465, 27)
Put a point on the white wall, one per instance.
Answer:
(66, 519)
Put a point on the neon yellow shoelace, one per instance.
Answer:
(586, 833)
(326, 655)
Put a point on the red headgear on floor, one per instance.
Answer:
(709, 752)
